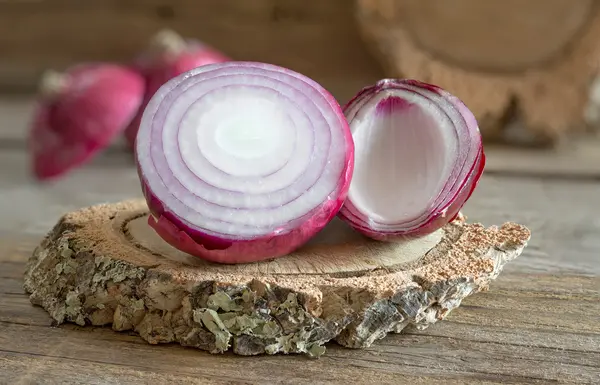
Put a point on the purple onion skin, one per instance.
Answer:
(442, 215)
(179, 234)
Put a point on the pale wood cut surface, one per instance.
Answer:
(538, 323)
(337, 242)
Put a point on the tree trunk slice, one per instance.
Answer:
(496, 36)
(533, 61)
(103, 265)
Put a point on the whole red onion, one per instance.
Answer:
(80, 112)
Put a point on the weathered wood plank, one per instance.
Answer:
(469, 354)
(27, 369)
(16, 114)
(455, 329)
(41, 370)
(579, 159)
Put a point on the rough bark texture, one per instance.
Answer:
(88, 271)
(527, 69)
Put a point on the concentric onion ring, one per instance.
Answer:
(242, 161)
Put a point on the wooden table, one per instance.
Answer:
(539, 323)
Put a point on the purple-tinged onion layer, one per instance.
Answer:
(418, 158)
(243, 161)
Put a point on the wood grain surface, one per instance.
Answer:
(537, 324)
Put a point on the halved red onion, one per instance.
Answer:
(80, 112)
(419, 156)
(243, 161)
(167, 56)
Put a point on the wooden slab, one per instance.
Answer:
(103, 266)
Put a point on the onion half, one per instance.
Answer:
(242, 161)
(167, 56)
(80, 112)
(419, 156)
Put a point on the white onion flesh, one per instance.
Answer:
(418, 156)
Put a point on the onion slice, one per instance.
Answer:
(80, 112)
(242, 161)
(169, 55)
(419, 156)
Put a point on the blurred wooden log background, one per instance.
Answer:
(320, 40)
(531, 62)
